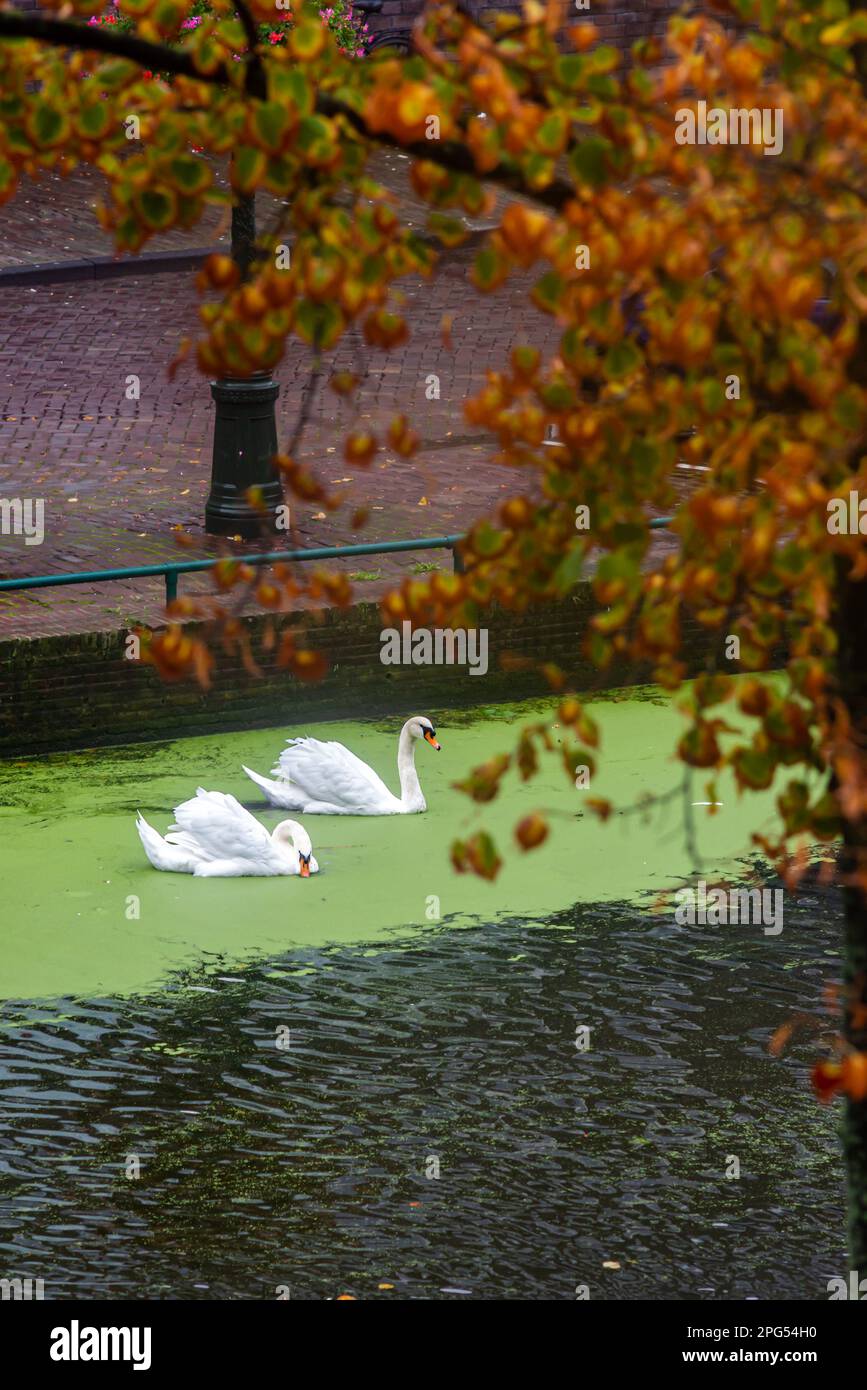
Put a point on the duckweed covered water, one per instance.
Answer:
(323, 1090)
(69, 845)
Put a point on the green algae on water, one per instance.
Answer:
(88, 916)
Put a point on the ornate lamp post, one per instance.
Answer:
(245, 427)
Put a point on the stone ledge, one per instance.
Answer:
(79, 691)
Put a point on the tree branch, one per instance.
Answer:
(255, 71)
(98, 38)
(448, 154)
(451, 155)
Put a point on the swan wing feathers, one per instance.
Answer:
(329, 772)
(220, 827)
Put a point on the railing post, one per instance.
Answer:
(457, 561)
(171, 578)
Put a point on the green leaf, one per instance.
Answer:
(754, 769)
(847, 409)
(291, 88)
(569, 570)
(644, 455)
(248, 166)
(487, 540)
(600, 86)
(483, 856)
(372, 270)
(232, 32)
(547, 292)
(270, 125)
(167, 15)
(319, 325)
(451, 231)
(115, 73)
(621, 359)
(557, 395)
(619, 564)
(570, 69)
(47, 126)
(588, 161)
(713, 396)
(94, 120)
(314, 139)
(156, 207)
(605, 58)
(552, 133)
(278, 175)
(487, 268)
(191, 175)
(7, 179)
(307, 39)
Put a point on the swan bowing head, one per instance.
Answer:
(421, 727)
(290, 835)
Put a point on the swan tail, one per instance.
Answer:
(160, 853)
(280, 794)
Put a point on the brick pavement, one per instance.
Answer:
(52, 219)
(117, 474)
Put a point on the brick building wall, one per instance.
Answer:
(619, 22)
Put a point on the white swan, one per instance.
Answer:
(214, 837)
(326, 779)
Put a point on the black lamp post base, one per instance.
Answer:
(245, 442)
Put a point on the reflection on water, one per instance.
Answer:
(305, 1166)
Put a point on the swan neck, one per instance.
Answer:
(283, 836)
(410, 788)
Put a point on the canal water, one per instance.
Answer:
(373, 1082)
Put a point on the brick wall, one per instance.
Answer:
(620, 23)
(79, 691)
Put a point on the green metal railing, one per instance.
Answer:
(171, 570)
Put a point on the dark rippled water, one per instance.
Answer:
(307, 1167)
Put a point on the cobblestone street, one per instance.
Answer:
(117, 474)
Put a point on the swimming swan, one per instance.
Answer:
(326, 779)
(214, 837)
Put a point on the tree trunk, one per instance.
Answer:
(852, 671)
